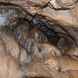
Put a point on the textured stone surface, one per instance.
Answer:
(40, 58)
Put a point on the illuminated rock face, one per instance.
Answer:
(63, 12)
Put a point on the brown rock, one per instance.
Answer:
(40, 2)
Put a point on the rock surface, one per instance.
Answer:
(31, 54)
